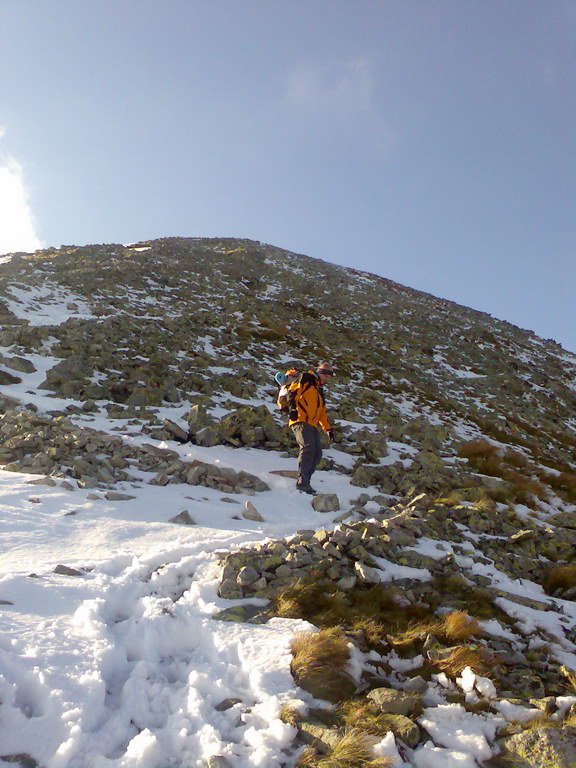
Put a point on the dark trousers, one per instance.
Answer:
(308, 439)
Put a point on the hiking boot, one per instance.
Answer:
(305, 488)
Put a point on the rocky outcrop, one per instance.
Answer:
(540, 748)
(160, 333)
(47, 445)
(385, 550)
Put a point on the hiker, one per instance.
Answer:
(306, 409)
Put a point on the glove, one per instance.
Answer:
(331, 436)
(293, 414)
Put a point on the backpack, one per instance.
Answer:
(284, 382)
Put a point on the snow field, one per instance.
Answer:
(141, 671)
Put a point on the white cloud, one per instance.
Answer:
(17, 226)
(344, 93)
(343, 85)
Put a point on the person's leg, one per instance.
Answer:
(305, 437)
(317, 450)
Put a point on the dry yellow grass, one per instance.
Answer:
(319, 661)
(562, 576)
(564, 483)
(524, 486)
(415, 633)
(452, 498)
(485, 504)
(458, 625)
(476, 449)
(308, 759)
(302, 599)
(374, 631)
(513, 727)
(313, 650)
(540, 721)
(290, 714)
(491, 460)
(375, 609)
(570, 676)
(464, 656)
(567, 482)
(317, 600)
(363, 715)
(515, 458)
(354, 750)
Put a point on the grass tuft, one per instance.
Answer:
(570, 676)
(489, 459)
(560, 577)
(564, 484)
(570, 720)
(312, 649)
(477, 449)
(304, 598)
(452, 498)
(354, 750)
(374, 609)
(374, 631)
(478, 659)
(485, 503)
(458, 625)
(319, 661)
(454, 626)
(308, 759)
(516, 459)
(415, 632)
(513, 727)
(364, 716)
(290, 714)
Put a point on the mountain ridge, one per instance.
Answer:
(137, 394)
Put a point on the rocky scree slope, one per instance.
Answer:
(458, 429)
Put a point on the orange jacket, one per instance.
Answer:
(307, 399)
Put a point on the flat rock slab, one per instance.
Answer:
(64, 570)
(318, 735)
(326, 502)
(227, 704)
(541, 748)
(285, 473)
(175, 430)
(245, 614)
(218, 761)
(183, 518)
(403, 728)
(392, 701)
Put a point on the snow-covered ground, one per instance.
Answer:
(123, 664)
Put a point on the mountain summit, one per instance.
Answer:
(141, 444)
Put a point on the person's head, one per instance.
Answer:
(324, 372)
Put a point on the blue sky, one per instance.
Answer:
(429, 141)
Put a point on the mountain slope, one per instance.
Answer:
(135, 384)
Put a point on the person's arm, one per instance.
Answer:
(323, 420)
